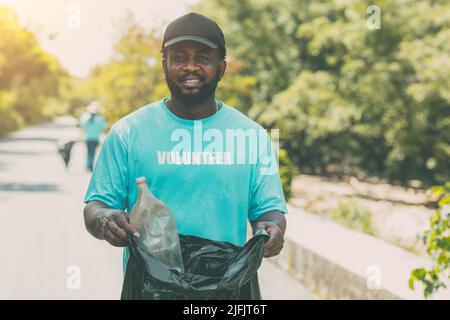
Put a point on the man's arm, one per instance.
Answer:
(108, 224)
(275, 224)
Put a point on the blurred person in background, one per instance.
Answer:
(93, 123)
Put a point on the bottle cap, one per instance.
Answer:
(141, 180)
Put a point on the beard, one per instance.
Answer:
(192, 97)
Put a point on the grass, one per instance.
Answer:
(352, 215)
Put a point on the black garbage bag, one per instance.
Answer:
(65, 150)
(213, 270)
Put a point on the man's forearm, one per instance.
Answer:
(95, 214)
(271, 216)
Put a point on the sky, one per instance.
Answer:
(84, 31)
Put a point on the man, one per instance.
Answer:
(212, 194)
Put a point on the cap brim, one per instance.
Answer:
(191, 38)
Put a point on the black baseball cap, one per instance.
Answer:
(195, 27)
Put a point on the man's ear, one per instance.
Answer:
(164, 66)
(223, 67)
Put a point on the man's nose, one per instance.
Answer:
(190, 65)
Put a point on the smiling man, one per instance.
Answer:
(225, 171)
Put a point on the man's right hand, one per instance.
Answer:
(115, 228)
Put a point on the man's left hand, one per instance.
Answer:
(275, 243)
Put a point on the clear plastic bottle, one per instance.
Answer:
(157, 227)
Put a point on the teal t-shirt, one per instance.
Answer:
(93, 127)
(213, 173)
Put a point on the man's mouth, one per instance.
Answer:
(191, 82)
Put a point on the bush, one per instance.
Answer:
(287, 172)
(437, 240)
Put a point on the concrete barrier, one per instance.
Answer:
(334, 262)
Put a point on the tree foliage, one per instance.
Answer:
(348, 99)
(29, 76)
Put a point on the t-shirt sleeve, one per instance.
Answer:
(109, 182)
(267, 192)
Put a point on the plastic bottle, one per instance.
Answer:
(157, 227)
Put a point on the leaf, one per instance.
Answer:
(444, 201)
(411, 283)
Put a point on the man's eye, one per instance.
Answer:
(203, 58)
(178, 57)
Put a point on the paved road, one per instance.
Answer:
(46, 250)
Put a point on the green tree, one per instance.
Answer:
(133, 77)
(348, 100)
(29, 76)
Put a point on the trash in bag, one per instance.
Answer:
(213, 270)
(157, 227)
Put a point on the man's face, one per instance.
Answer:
(192, 71)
